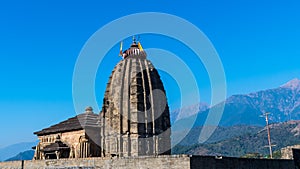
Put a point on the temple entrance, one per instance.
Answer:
(56, 150)
(50, 156)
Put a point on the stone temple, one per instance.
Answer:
(131, 131)
(134, 120)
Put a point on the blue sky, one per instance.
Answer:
(257, 41)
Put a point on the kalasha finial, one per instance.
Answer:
(89, 110)
(135, 50)
(133, 39)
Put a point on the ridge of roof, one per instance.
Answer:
(78, 122)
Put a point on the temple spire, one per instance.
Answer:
(135, 50)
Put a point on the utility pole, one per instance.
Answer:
(269, 134)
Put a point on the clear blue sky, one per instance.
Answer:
(257, 41)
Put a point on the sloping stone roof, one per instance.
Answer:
(79, 122)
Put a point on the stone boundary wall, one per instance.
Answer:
(287, 153)
(161, 162)
(208, 162)
(149, 162)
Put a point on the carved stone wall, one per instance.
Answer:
(79, 142)
(136, 119)
(70, 138)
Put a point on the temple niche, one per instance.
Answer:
(76, 137)
(134, 120)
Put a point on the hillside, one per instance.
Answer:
(14, 149)
(282, 135)
(221, 133)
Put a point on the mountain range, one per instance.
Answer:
(26, 155)
(283, 103)
(13, 150)
(241, 129)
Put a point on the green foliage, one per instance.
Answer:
(221, 133)
(252, 155)
(277, 154)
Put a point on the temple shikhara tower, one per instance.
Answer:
(134, 120)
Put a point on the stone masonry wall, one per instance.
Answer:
(70, 138)
(160, 162)
(287, 153)
(208, 162)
